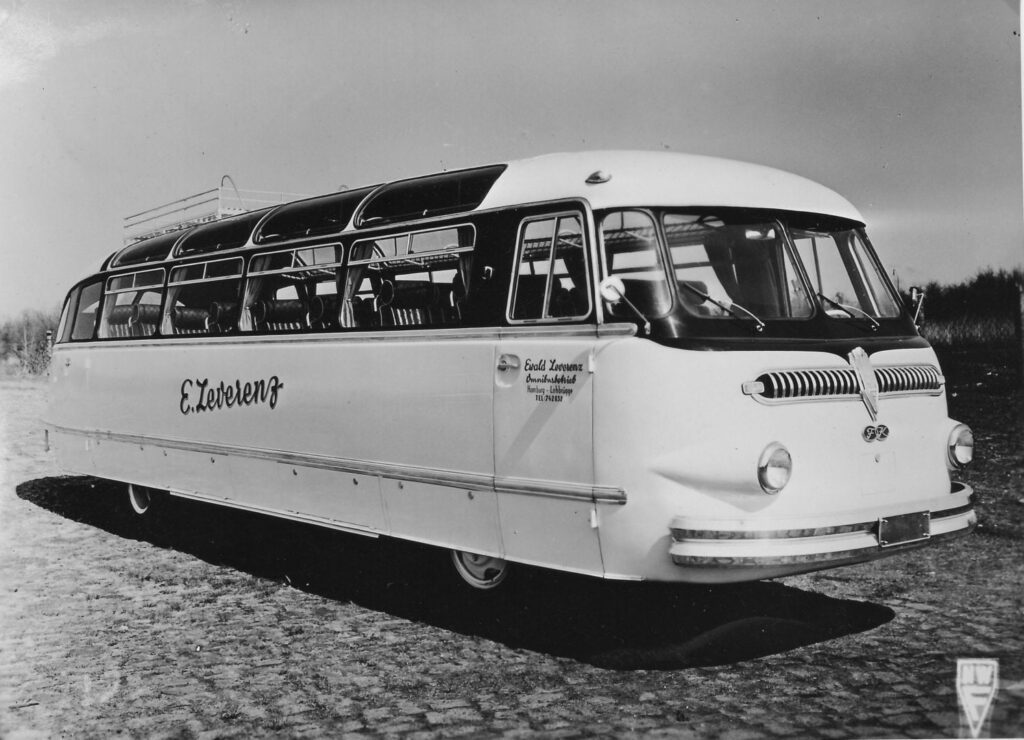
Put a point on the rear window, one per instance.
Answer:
(87, 309)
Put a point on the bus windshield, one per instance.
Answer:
(718, 265)
(843, 274)
(745, 266)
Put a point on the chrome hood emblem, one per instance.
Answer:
(861, 364)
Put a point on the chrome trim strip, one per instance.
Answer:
(347, 337)
(557, 489)
(679, 534)
(395, 471)
(281, 513)
(757, 561)
(837, 557)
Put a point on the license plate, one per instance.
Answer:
(899, 530)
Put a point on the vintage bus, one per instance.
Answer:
(632, 365)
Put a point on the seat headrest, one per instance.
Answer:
(276, 311)
(120, 315)
(145, 313)
(322, 307)
(408, 294)
(190, 318)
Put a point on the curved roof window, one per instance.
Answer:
(326, 214)
(219, 236)
(155, 249)
(435, 195)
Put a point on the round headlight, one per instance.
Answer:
(774, 468)
(961, 446)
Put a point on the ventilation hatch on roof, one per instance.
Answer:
(434, 195)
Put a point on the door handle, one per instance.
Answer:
(508, 362)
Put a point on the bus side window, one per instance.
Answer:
(631, 254)
(86, 311)
(64, 326)
(203, 298)
(551, 280)
(419, 297)
(293, 290)
(418, 279)
(131, 306)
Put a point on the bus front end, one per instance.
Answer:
(777, 412)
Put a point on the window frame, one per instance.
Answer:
(660, 247)
(421, 260)
(64, 324)
(860, 260)
(98, 282)
(246, 324)
(166, 322)
(789, 248)
(111, 292)
(410, 255)
(581, 216)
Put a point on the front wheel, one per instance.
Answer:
(480, 571)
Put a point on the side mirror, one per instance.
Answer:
(612, 289)
(917, 298)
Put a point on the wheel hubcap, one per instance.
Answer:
(139, 498)
(480, 571)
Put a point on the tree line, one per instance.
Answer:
(24, 346)
(990, 294)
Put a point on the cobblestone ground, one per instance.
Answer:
(223, 624)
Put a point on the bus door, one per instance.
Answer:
(543, 400)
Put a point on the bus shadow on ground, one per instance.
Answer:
(624, 626)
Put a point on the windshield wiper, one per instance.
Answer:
(849, 311)
(727, 308)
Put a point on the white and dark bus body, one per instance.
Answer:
(631, 365)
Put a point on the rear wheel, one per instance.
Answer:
(480, 571)
(143, 499)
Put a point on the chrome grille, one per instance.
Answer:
(809, 383)
(908, 379)
(842, 382)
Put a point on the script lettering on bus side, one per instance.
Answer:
(550, 380)
(200, 395)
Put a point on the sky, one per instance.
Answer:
(909, 108)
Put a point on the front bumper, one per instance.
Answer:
(712, 554)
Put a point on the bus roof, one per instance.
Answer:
(643, 178)
(605, 179)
